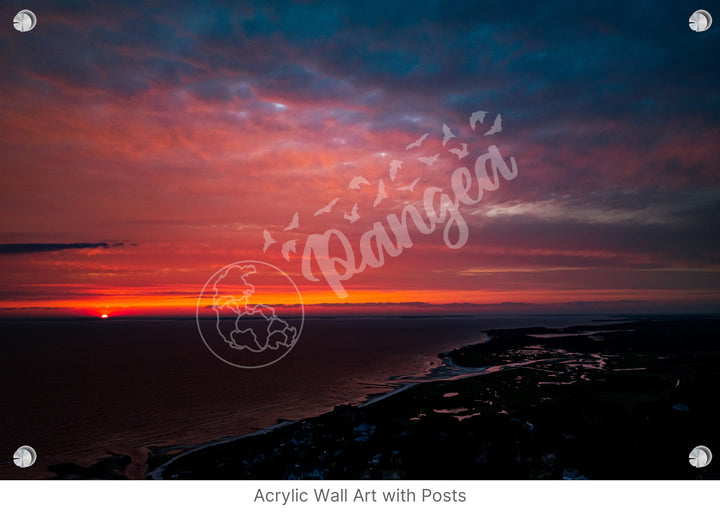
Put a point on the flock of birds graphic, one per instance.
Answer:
(357, 182)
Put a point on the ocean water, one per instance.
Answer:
(79, 390)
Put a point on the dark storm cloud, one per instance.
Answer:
(33, 247)
(545, 60)
(548, 65)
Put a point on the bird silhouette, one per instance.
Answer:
(356, 182)
(428, 160)
(409, 188)
(269, 241)
(353, 216)
(496, 127)
(417, 143)
(382, 194)
(395, 166)
(460, 153)
(293, 223)
(287, 248)
(326, 209)
(447, 134)
(477, 116)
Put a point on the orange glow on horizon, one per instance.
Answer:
(321, 300)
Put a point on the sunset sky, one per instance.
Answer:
(145, 145)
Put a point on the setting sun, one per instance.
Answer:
(104, 316)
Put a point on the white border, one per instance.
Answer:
(235, 498)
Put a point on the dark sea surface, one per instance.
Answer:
(79, 390)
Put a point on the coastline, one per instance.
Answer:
(553, 405)
(558, 398)
(161, 390)
(450, 371)
(157, 472)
